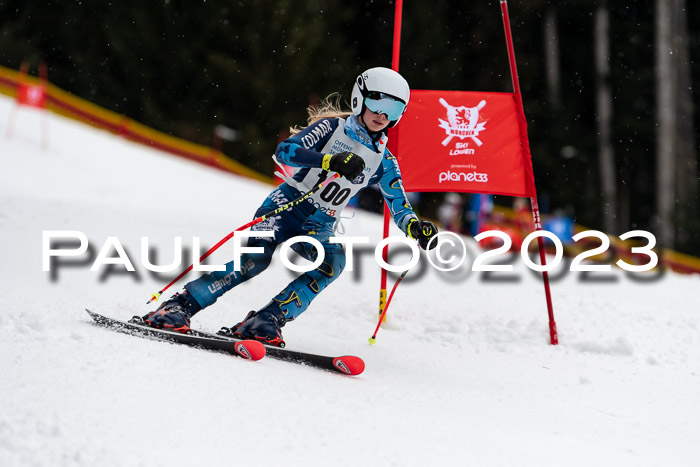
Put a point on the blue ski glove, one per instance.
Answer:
(423, 231)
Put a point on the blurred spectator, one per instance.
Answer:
(478, 211)
(450, 212)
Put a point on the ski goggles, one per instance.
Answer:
(381, 103)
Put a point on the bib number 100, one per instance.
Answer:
(334, 195)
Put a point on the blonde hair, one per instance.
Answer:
(329, 107)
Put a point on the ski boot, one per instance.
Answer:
(263, 325)
(174, 314)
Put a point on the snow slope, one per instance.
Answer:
(462, 373)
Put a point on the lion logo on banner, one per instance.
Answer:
(462, 122)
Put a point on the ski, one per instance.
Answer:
(349, 365)
(248, 349)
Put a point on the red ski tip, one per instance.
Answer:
(250, 350)
(349, 365)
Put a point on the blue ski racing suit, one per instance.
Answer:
(315, 217)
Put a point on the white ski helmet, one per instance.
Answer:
(387, 89)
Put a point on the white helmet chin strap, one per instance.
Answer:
(375, 136)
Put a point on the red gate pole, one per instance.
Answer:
(553, 336)
(43, 76)
(387, 215)
(23, 70)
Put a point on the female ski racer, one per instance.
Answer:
(353, 144)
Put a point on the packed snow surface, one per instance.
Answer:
(462, 372)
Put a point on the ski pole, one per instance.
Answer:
(257, 220)
(373, 339)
